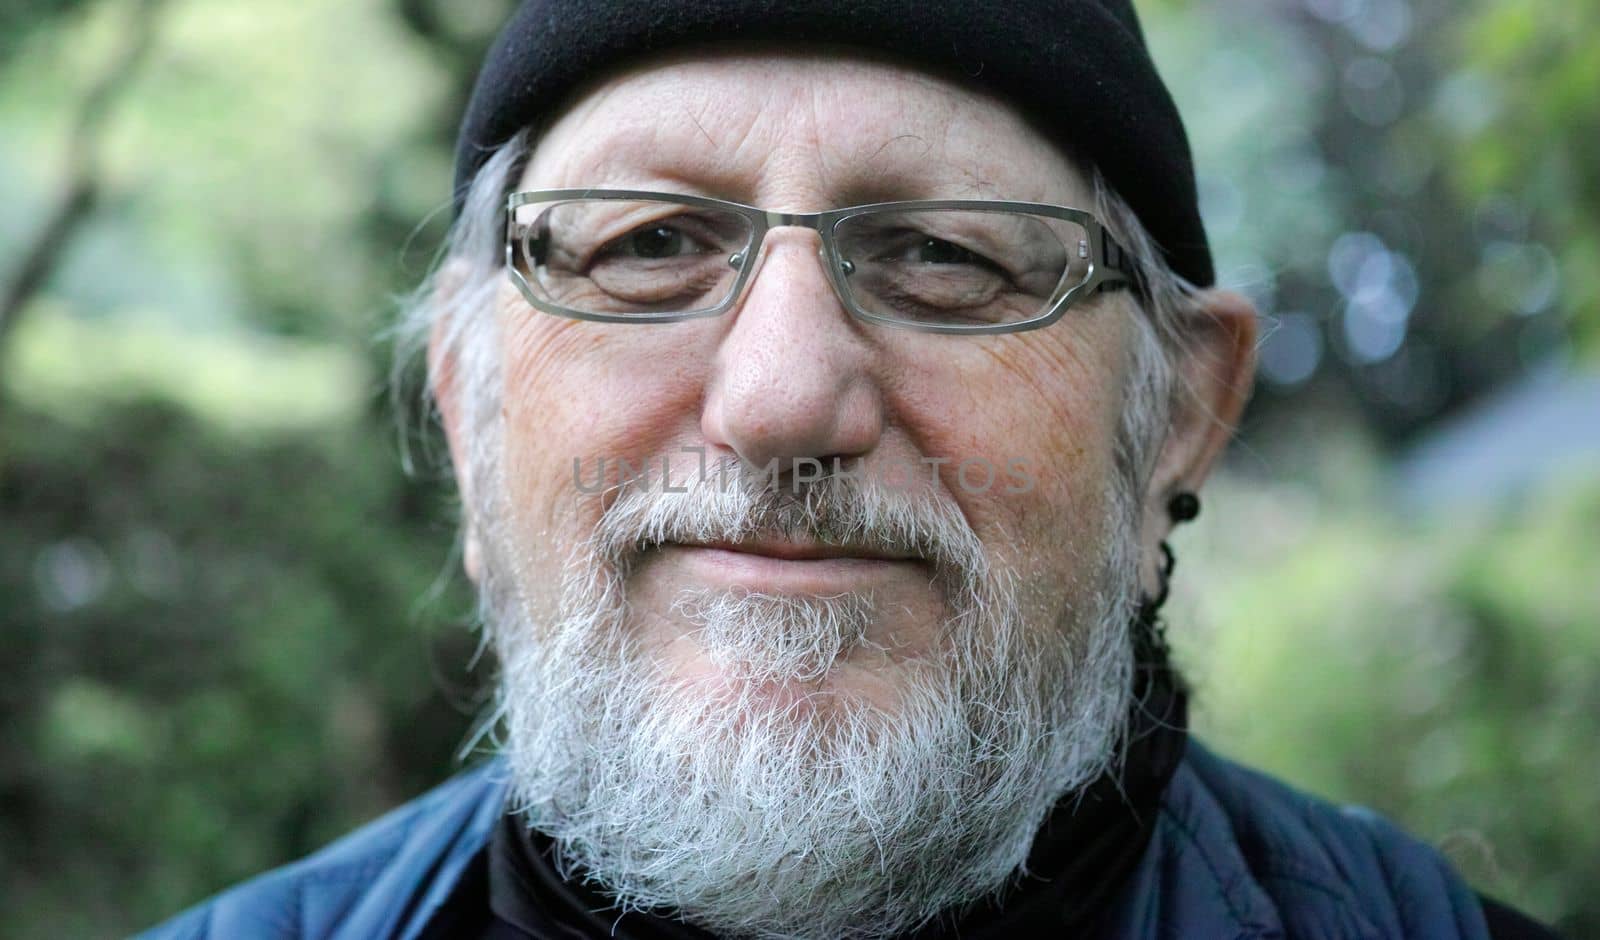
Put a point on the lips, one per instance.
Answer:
(790, 550)
(785, 566)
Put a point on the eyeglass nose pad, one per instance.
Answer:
(846, 266)
(736, 260)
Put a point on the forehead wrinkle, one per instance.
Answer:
(964, 156)
(636, 156)
(900, 164)
(897, 163)
(812, 137)
(710, 141)
(707, 148)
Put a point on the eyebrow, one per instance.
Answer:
(686, 158)
(861, 184)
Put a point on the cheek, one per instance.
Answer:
(1043, 413)
(577, 393)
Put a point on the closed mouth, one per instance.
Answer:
(791, 550)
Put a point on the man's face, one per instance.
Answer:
(788, 374)
(768, 706)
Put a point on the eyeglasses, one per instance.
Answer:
(939, 266)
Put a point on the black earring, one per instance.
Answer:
(1182, 507)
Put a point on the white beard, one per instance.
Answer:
(842, 819)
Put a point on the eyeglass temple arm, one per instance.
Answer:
(1121, 261)
(518, 232)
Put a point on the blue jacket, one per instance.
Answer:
(1234, 854)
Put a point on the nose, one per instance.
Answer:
(794, 373)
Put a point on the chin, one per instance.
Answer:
(869, 689)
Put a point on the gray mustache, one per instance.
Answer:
(836, 511)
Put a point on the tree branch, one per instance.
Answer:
(82, 190)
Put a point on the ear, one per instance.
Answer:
(1215, 374)
(444, 383)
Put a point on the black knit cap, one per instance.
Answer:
(1078, 67)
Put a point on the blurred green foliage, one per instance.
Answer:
(1445, 672)
(224, 664)
(1527, 119)
(1406, 186)
(235, 622)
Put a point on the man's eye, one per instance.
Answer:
(661, 241)
(939, 251)
(915, 248)
(653, 241)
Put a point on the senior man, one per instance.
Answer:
(820, 405)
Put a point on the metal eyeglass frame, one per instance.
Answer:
(1106, 257)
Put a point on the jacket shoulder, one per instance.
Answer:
(377, 873)
(1325, 864)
